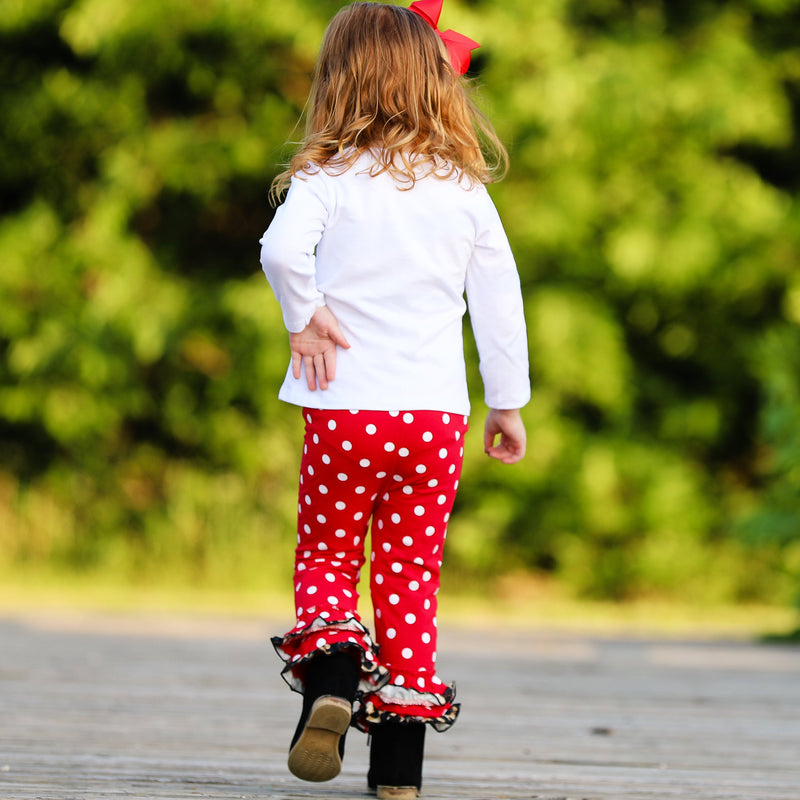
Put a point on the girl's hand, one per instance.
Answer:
(509, 425)
(315, 349)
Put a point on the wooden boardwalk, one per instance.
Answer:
(106, 707)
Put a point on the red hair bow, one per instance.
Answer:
(459, 47)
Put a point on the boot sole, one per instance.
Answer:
(315, 756)
(397, 792)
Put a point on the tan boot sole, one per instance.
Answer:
(315, 756)
(398, 793)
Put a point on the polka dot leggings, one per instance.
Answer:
(401, 471)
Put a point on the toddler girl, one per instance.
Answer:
(385, 227)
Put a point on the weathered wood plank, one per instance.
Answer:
(106, 707)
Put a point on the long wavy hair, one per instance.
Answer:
(383, 83)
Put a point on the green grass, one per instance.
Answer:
(521, 603)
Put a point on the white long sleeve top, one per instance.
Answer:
(393, 267)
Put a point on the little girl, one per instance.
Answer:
(385, 227)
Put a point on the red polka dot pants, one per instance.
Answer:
(399, 470)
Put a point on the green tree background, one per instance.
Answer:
(652, 205)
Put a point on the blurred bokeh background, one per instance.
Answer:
(652, 205)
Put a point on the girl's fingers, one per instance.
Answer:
(311, 375)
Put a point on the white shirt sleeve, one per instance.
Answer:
(288, 250)
(496, 312)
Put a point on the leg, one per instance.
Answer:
(408, 533)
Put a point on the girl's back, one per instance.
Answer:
(393, 261)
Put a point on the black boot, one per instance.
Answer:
(318, 743)
(395, 759)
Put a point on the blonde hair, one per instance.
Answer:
(383, 82)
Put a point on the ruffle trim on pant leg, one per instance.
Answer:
(326, 636)
(431, 704)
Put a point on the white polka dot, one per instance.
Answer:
(321, 519)
(419, 510)
(389, 447)
(426, 637)
(310, 470)
(421, 683)
(395, 518)
(301, 567)
(419, 561)
(321, 642)
(307, 554)
(356, 541)
(340, 533)
(355, 411)
(330, 577)
(452, 469)
(323, 489)
(446, 419)
(360, 489)
(347, 593)
(315, 439)
(447, 517)
(340, 505)
(426, 576)
(307, 498)
(321, 546)
(398, 478)
(458, 435)
(443, 452)
(403, 452)
(427, 605)
(381, 475)
(331, 424)
(409, 418)
(427, 436)
(364, 462)
(408, 490)
(333, 600)
(311, 590)
(413, 585)
(433, 483)
(378, 613)
(441, 499)
(386, 547)
(408, 541)
(400, 680)
(397, 568)
(379, 579)
(347, 445)
(394, 599)
(391, 633)
(342, 476)
(326, 459)
(371, 429)
(430, 530)
(307, 528)
(407, 652)
(358, 515)
(420, 468)
(410, 618)
(308, 418)
(394, 413)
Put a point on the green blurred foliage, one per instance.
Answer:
(653, 208)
